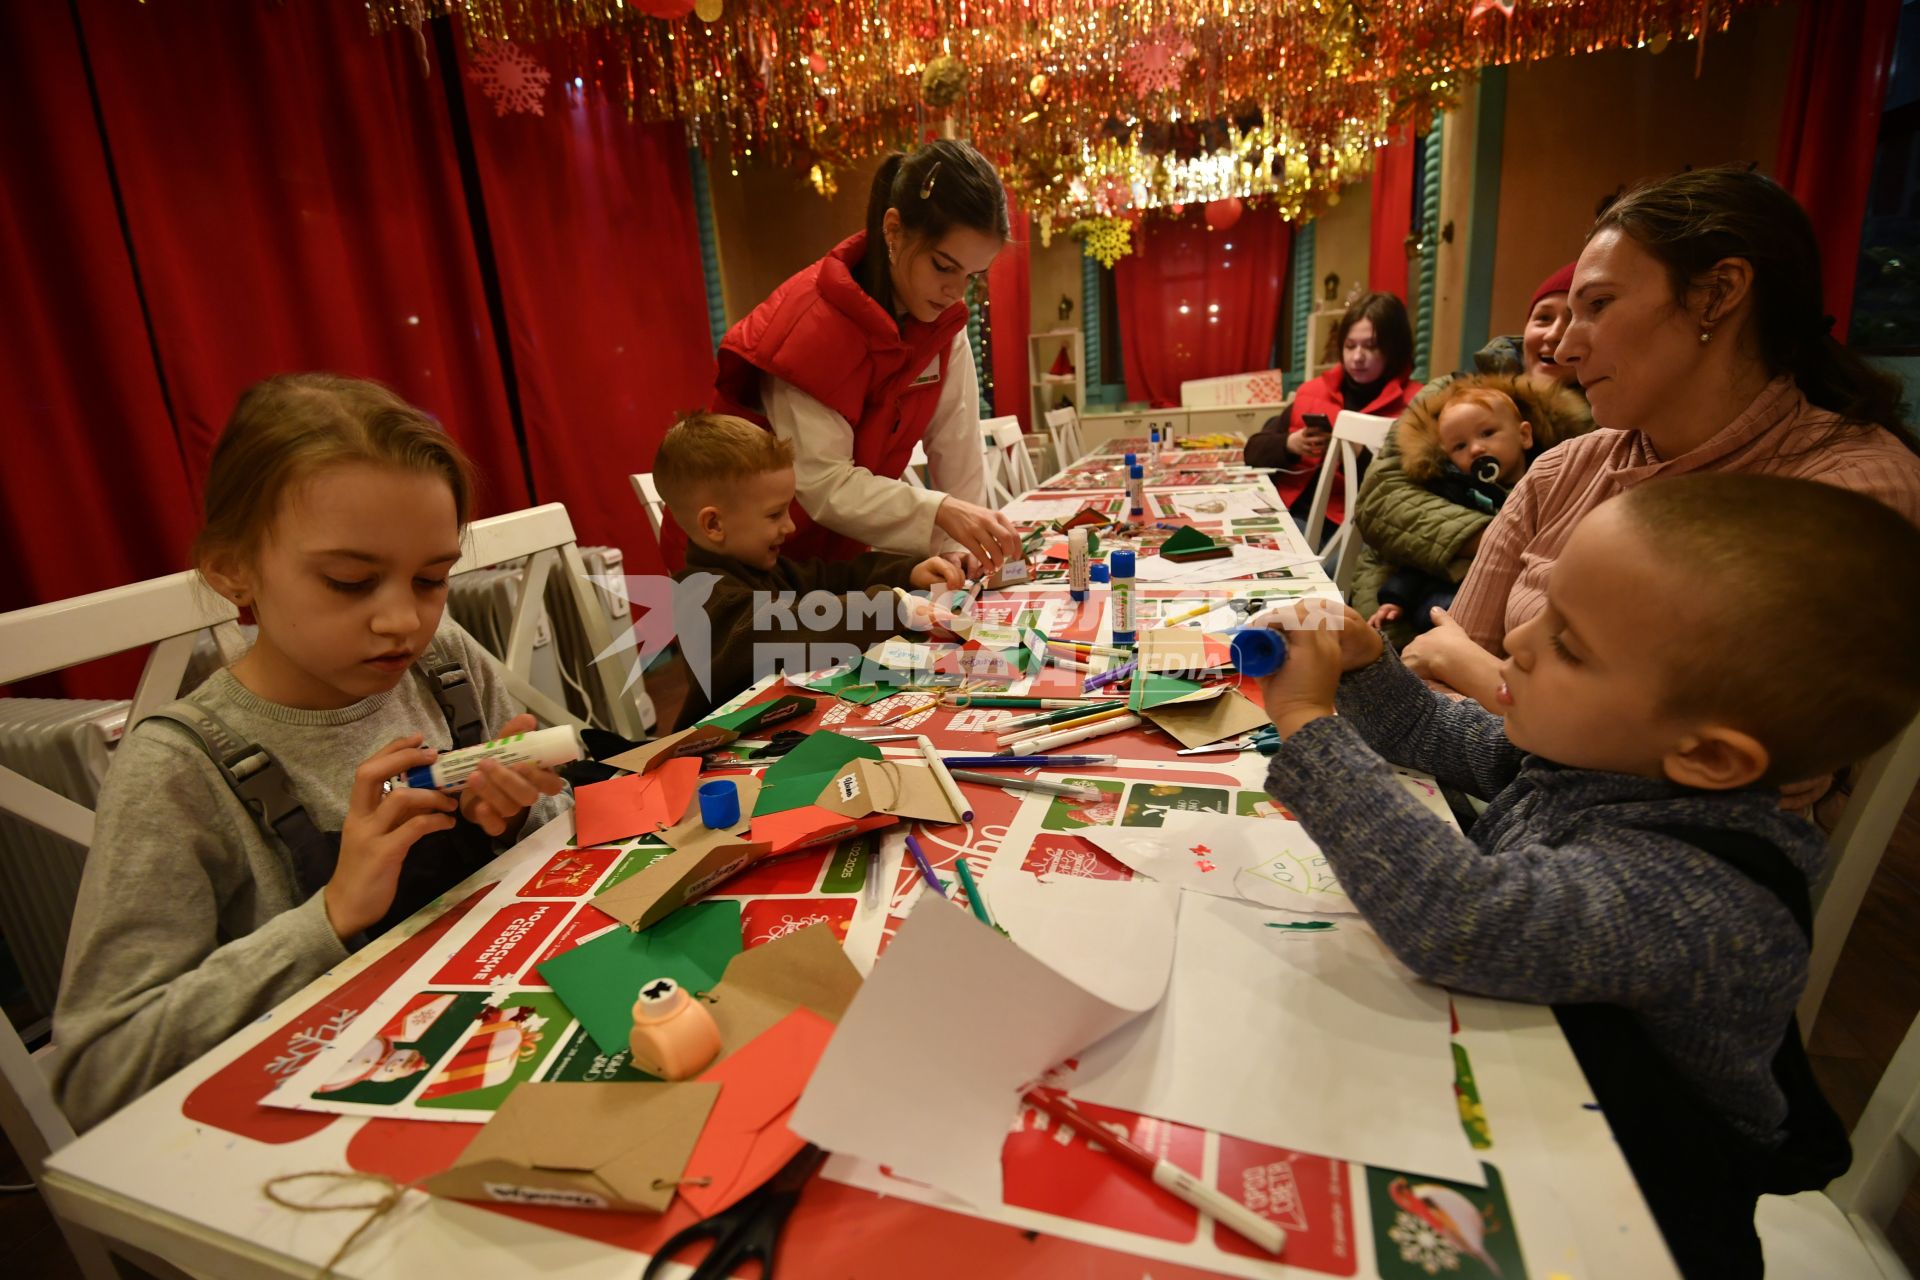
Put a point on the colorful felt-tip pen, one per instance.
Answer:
(1225, 1210)
(1028, 762)
(926, 868)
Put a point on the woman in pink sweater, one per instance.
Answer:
(1698, 338)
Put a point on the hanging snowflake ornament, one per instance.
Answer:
(511, 79)
(1108, 239)
(1156, 63)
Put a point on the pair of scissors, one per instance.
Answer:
(1265, 739)
(746, 1231)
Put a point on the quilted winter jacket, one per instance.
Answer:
(1403, 523)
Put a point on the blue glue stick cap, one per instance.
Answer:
(719, 803)
(420, 777)
(1097, 573)
(1121, 562)
(1129, 462)
(1258, 651)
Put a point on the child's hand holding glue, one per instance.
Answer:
(1324, 640)
(382, 824)
(496, 795)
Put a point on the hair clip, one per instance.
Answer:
(926, 188)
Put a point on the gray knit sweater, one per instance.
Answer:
(188, 924)
(1567, 892)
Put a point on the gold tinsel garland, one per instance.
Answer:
(1281, 99)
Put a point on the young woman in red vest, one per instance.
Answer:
(1374, 342)
(864, 354)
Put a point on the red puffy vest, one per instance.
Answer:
(1322, 395)
(821, 332)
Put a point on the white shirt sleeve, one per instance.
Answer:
(845, 497)
(954, 464)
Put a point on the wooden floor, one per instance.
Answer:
(1875, 994)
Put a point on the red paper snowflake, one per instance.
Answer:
(1157, 63)
(511, 79)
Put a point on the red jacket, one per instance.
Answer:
(1322, 395)
(821, 332)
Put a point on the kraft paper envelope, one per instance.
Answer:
(702, 857)
(1180, 650)
(1196, 723)
(649, 756)
(804, 970)
(900, 788)
(587, 1146)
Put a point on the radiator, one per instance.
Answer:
(62, 744)
(483, 601)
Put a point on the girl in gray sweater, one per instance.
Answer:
(333, 513)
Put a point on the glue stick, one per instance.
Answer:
(1153, 446)
(1120, 565)
(1137, 487)
(1258, 651)
(452, 771)
(1077, 563)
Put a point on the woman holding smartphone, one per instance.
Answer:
(1374, 343)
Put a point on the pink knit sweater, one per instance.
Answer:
(1775, 436)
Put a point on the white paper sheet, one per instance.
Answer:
(1315, 1041)
(1245, 562)
(926, 1070)
(1269, 861)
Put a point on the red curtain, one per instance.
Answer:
(94, 493)
(1009, 289)
(294, 202)
(1196, 303)
(1388, 267)
(592, 222)
(1829, 126)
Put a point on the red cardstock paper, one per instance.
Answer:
(746, 1139)
(637, 805)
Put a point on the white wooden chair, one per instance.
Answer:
(1841, 1233)
(169, 614)
(1339, 552)
(544, 535)
(1063, 426)
(916, 472)
(1009, 466)
(1883, 784)
(649, 495)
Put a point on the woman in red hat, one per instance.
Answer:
(864, 354)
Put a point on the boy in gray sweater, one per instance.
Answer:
(1684, 666)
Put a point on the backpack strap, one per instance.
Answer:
(261, 785)
(447, 680)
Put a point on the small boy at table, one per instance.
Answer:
(1705, 638)
(729, 485)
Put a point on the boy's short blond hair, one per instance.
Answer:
(704, 452)
(1812, 620)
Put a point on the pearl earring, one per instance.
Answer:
(1706, 336)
